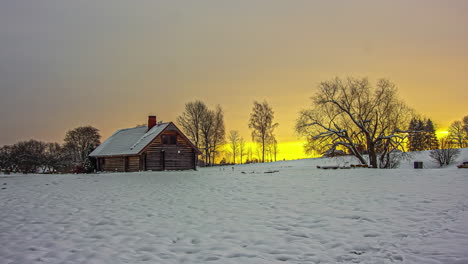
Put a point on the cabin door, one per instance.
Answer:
(194, 160)
(163, 160)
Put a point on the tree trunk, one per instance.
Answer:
(372, 155)
(207, 156)
(263, 150)
(358, 155)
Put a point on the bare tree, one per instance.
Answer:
(258, 153)
(274, 148)
(206, 133)
(80, 142)
(234, 143)
(457, 134)
(56, 158)
(465, 124)
(6, 159)
(218, 132)
(249, 154)
(191, 119)
(269, 152)
(446, 154)
(261, 123)
(28, 156)
(34, 156)
(241, 149)
(351, 115)
(465, 127)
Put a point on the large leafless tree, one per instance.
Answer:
(219, 132)
(206, 132)
(191, 119)
(261, 123)
(353, 115)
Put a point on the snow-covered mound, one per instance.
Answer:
(405, 163)
(295, 213)
(428, 162)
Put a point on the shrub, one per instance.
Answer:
(445, 155)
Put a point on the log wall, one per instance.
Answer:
(120, 164)
(133, 163)
(170, 157)
(113, 164)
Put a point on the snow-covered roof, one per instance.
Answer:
(129, 141)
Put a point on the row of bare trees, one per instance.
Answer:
(36, 156)
(237, 144)
(261, 123)
(205, 127)
(348, 116)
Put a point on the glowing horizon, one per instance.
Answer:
(295, 149)
(286, 151)
(441, 133)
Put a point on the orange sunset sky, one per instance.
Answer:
(111, 63)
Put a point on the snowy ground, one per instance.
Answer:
(297, 215)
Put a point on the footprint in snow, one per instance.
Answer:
(283, 258)
(211, 258)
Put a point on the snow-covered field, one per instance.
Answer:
(298, 215)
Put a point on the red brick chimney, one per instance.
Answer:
(151, 122)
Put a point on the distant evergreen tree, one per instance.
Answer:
(416, 138)
(431, 141)
(422, 135)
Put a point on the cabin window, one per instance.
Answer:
(169, 139)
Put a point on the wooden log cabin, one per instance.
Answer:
(158, 146)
